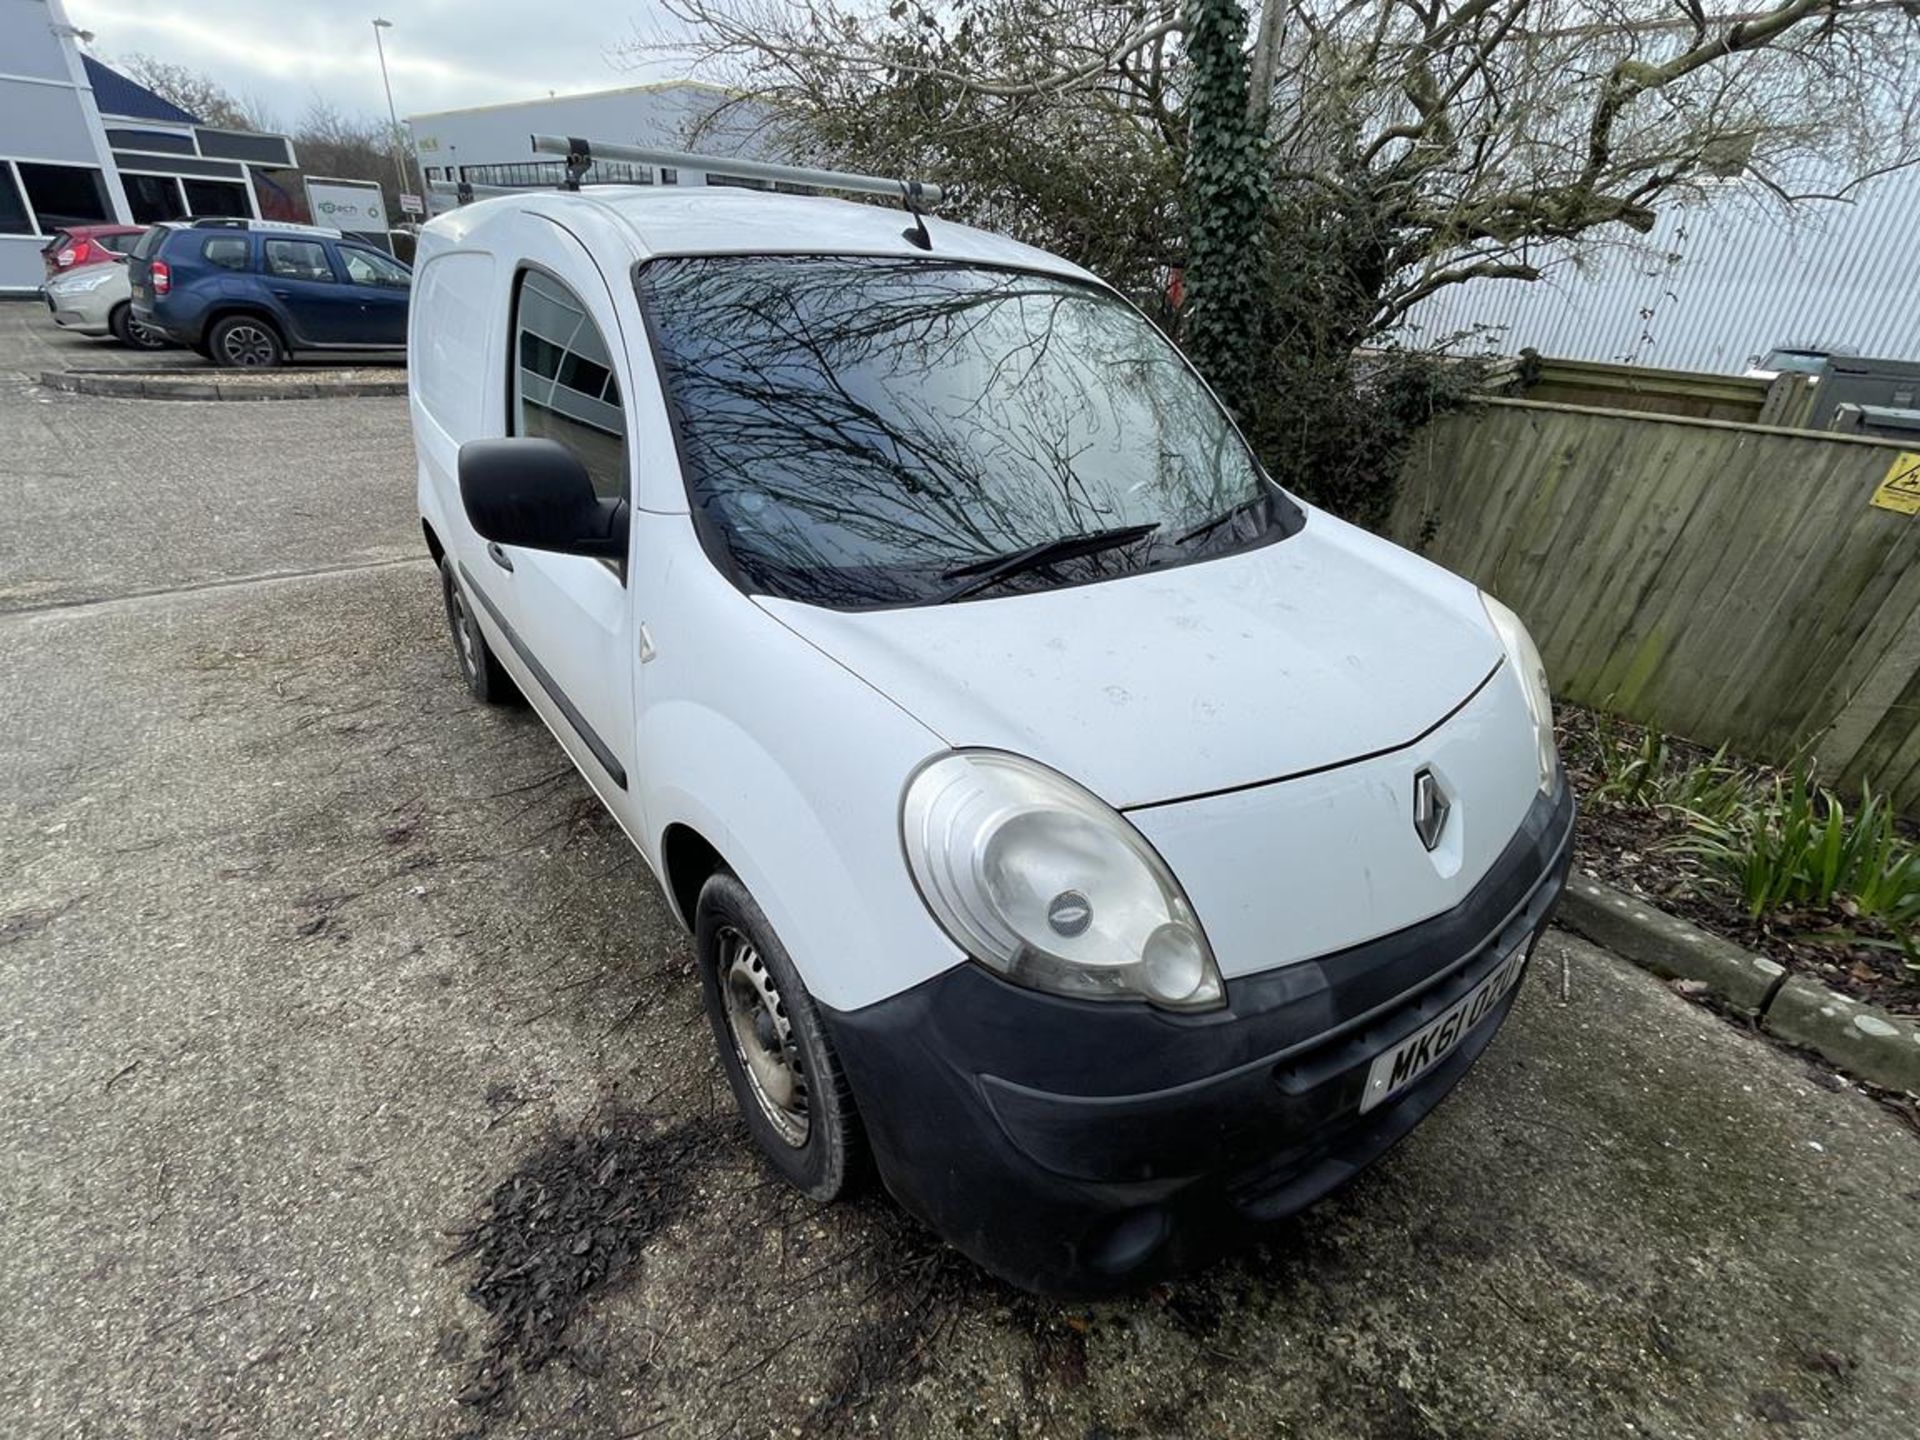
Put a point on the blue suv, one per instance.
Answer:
(252, 292)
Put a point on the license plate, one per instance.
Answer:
(1399, 1067)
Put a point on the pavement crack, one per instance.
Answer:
(233, 582)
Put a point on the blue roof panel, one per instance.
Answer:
(115, 94)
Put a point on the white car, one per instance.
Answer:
(1116, 851)
(96, 300)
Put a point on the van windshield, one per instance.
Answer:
(866, 432)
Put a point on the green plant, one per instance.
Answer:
(1714, 788)
(1631, 772)
(1797, 847)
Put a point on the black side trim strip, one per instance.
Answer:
(1322, 769)
(609, 762)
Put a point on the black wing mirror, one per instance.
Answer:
(536, 494)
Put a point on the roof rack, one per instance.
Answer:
(580, 154)
(245, 222)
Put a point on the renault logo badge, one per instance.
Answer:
(1430, 808)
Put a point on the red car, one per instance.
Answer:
(78, 245)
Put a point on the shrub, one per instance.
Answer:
(1796, 846)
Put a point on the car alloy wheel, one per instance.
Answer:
(143, 337)
(247, 345)
(763, 1037)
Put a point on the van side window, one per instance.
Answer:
(563, 383)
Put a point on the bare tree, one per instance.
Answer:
(1404, 146)
(201, 96)
(1467, 131)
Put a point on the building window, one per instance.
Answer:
(165, 141)
(553, 173)
(255, 148)
(217, 197)
(14, 219)
(153, 198)
(564, 386)
(64, 195)
(669, 175)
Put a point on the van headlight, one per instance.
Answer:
(1524, 656)
(1044, 883)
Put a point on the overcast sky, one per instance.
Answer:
(441, 54)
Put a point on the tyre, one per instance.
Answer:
(490, 684)
(785, 1077)
(131, 333)
(245, 342)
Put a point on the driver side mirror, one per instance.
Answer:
(536, 494)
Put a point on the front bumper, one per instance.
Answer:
(997, 1114)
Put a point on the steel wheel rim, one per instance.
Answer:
(763, 1039)
(463, 643)
(246, 346)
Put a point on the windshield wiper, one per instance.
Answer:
(1232, 513)
(979, 574)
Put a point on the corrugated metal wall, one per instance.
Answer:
(1713, 286)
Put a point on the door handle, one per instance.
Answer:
(284, 294)
(499, 556)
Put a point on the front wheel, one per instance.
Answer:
(484, 675)
(245, 342)
(781, 1066)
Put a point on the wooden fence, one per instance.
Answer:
(1726, 582)
(1786, 400)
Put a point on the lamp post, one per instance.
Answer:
(393, 118)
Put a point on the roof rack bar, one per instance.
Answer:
(580, 153)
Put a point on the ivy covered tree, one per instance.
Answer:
(1226, 200)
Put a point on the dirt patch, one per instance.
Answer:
(569, 1224)
(1636, 849)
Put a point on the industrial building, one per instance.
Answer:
(81, 144)
(488, 145)
(1715, 286)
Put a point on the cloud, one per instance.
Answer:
(440, 53)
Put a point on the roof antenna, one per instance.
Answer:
(910, 196)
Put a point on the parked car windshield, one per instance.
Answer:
(862, 432)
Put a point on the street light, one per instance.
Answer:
(393, 118)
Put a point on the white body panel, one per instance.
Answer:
(1257, 665)
(83, 299)
(783, 734)
(1286, 872)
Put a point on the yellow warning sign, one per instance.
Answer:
(1900, 491)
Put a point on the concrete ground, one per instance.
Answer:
(307, 963)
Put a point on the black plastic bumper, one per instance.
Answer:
(1080, 1148)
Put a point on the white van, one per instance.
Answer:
(1113, 851)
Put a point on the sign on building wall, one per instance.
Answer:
(354, 206)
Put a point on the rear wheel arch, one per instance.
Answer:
(215, 314)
